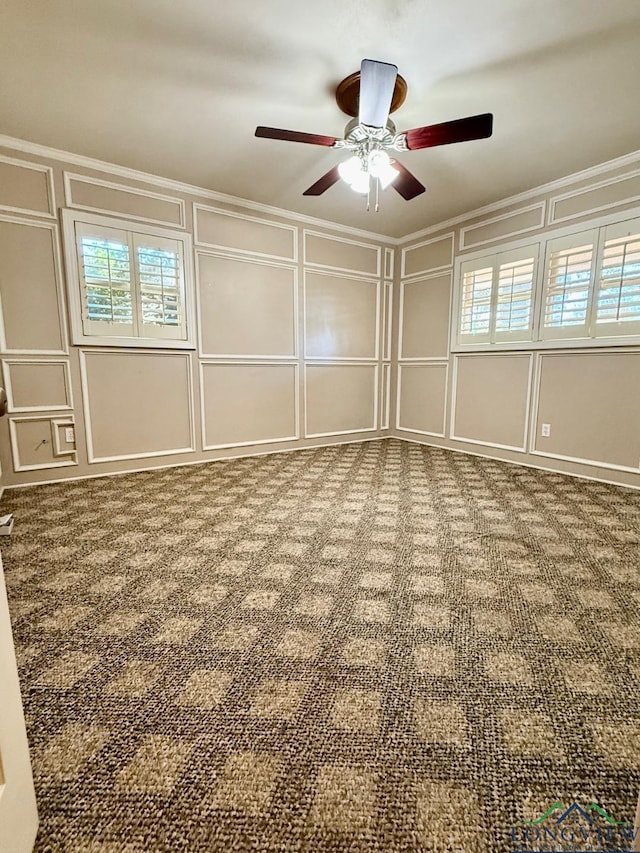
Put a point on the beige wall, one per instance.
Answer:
(274, 296)
(495, 403)
(307, 334)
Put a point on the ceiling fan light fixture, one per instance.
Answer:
(360, 184)
(380, 167)
(388, 177)
(350, 169)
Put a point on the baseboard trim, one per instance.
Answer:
(191, 462)
(518, 464)
(314, 447)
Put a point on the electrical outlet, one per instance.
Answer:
(69, 435)
(546, 430)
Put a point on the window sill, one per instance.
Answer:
(563, 343)
(132, 343)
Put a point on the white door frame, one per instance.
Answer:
(18, 811)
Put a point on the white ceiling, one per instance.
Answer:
(176, 88)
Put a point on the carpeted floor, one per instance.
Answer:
(378, 646)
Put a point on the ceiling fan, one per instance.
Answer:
(369, 96)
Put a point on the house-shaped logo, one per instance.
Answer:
(573, 828)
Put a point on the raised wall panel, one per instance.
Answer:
(505, 225)
(32, 317)
(37, 385)
(340, 398)
(422, 398)
(389, 256)
(387, 322)
(62, 447)
(136, 404)
(33, 444)
(224, 230)
(425, 317)
(341, 254)
(26, 187)
(385, 404)
(491, 399)
(248, 403)
(341, 317)
(106, 197)
(246, 308)
(592, 403)
(428, 255)
(605, 195)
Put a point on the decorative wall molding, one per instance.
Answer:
(70, 178)
(389, 262)
(350, 271)
(424, 363)
(65, 460)
(419, 280)
(91, 457)
(296, 404)
(539, 207)
(385, 408)
(248, 259)
(535, 403)
(51, 195)
(631, 159)
(293, 258)
(556, 200)
(374, 414)
(59, 279)
(56, 426)
(36, 149)
(387, 319)
(450, 235)
(7, 363)
(341, 359)
(527, 415)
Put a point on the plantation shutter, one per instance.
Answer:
(567, 292)
(107, 280)
(476, 294)
(161, 303)
(515, 288)
(617, 308)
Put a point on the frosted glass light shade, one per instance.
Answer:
(350, 169)
(360, 183)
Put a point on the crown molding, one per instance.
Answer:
(631, 159)
(38, 150)
(69, 157)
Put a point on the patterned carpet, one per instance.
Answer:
(372, 647)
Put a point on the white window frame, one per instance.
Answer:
(493, 337)
(619, 328)
(75, 287)
(616, 338)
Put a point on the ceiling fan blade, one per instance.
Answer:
(460, 130)
(406, 184)
(295, 136)
(377, 82)
(324, 182)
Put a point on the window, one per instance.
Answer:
(618, 295)
(128, 283)
(496, 297)
(589, 291)
(569, 269)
